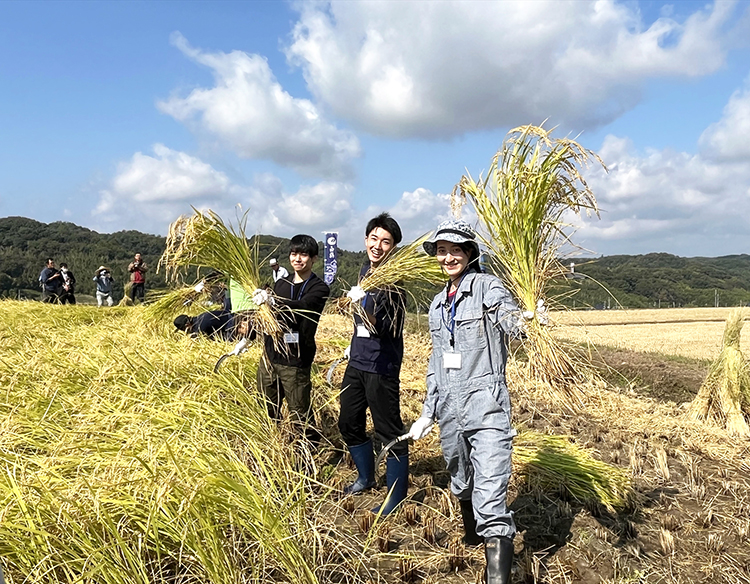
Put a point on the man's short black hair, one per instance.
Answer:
(183, 322)
(385, 221)
(63, 265)
(49, 260)
(304, 244)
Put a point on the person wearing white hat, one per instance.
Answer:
(279, 271)
(103, 280)
(470, 322)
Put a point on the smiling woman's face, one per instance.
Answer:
(452, 258)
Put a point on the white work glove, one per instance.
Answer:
(420, 428)
(356, 294)
(262, 297)
(240, 347)
(200, 286)
(348, 352)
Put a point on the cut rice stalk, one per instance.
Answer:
(203, 240)
(533, 183)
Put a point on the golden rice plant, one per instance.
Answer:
(165, 305)
(552, 461)
(406, 267)
(124, 459)
(725, 394)
(533, 184)
(204, 240)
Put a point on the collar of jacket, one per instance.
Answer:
(465, 288)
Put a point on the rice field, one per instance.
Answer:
(125, 459)
(694, 333)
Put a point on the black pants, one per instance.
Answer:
(51, 296)
(137, 289)
(67, 298)
(361, 390)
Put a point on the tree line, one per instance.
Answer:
(633, 281)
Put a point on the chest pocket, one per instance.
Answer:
(470, 330)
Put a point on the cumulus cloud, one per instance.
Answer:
(439, 69)
(150, 191)
(662, 200)
(249, 112)
(728, 138)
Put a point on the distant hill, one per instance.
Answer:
(25, 244)
(661, 280)
(640, 281)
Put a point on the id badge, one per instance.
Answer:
(452, 360)
(291, 338)
(362, 331)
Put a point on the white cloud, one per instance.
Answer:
(250, 113)
(149, 192)
(729, 138)
(438, 69)
(687, 204)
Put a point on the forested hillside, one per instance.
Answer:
(25, 245)
(661, 280)
(640, 281)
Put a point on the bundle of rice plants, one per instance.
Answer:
(533, 184)
(551, 462)
(407, 268)
(725, 393)
(203, 240)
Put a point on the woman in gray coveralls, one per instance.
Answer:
(470, 321)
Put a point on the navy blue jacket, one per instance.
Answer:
(383, 351)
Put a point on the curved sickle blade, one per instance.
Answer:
(331, 369)
(220, 361)
(387, 448)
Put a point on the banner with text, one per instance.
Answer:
(331, 257)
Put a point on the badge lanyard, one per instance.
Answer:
(302, 290)
(452, 326)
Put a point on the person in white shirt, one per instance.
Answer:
(279, 271)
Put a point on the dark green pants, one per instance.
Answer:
(283, 381)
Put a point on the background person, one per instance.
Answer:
(51, 282)
(285, 372)
(137, 269)
(103, 279)
(67, 294)
(279, 271)
(215, 324)
(371, 379)
(470, 322)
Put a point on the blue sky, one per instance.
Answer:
(314, 116)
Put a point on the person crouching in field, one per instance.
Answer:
(285, 371)
(371, 378)
(470, 322)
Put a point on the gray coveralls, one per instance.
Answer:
(471, 403)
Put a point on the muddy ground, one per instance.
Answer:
(689, 520)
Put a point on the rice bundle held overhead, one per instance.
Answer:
(533, 184)
(203, 240)
(725, 394)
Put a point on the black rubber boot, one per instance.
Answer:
(470, 524)
(364, 459)
(498, 551)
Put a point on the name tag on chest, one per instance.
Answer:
(452, 360)
(291, 338)
(362, 331)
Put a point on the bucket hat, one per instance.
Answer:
(453, 231)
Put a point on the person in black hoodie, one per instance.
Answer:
(284, 370)
(371, 379)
